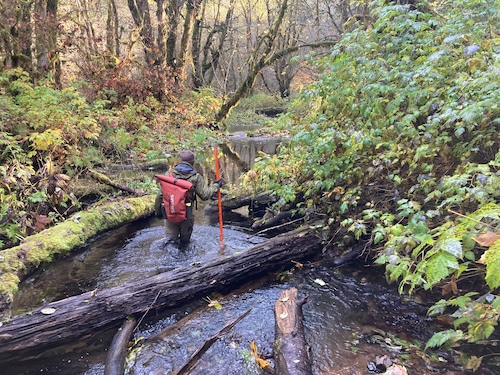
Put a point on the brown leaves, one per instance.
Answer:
(487, 239)
(449, 287)
(41, 221)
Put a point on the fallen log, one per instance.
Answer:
(271, 219)
(115, 360)
(103, 179)
(153, 165)
(291, 354)
(256, 203)
(74, 317)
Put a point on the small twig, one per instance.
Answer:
(146, 312)
(469, 218)
(276, 226)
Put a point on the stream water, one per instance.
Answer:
(352, 318)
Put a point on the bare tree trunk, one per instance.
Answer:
(173, 11)
(15, 35)
(212, 51)
(192, 7)
(112, 29)
(258, 61)
(196, 76)
(162, 33)
(46, 39)
(88, 28)
(140, 13)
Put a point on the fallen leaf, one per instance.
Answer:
(262, 362)
(482, 259)
(487, 239)
(396, 370)
(450, 287)
(213, 303)
(473, 363)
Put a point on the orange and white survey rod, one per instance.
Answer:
(219, 199)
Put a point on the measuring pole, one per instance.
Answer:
(219, 199)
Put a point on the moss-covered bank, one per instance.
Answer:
(41, 248)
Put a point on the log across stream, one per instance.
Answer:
(345, 306)
(77, 316)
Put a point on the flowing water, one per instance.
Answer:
(352, 316)
(340, 316)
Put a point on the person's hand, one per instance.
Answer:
(219, 182)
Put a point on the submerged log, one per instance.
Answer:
(117, 353)
(74, 317)
(207, 344)
(291, 354)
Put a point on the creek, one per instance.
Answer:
(352, 316)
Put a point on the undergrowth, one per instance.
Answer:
(399, 148)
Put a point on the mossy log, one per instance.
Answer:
(291, 354)
(103, 179)
(73, 318)
(18, 261)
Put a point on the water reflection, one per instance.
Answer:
(239, 154)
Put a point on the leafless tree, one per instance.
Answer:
(230, 45)
(113, 29)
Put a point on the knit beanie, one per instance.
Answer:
(187, 156)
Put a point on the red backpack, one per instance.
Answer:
(176, 194)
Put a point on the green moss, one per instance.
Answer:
(61, 239)
(9, 283)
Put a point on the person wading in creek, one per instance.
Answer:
(182, 231)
